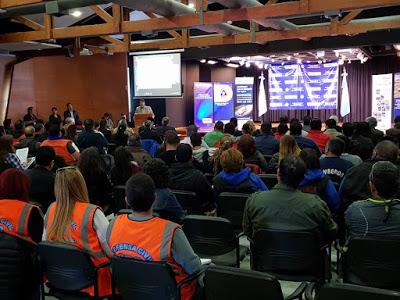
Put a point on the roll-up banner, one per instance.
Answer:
(396, 98)
(223, 101)
(244, 98)
(382, 87)
(203, 105)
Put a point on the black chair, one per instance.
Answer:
(335, 291)
(231, 206)
(225, 283)
(372, 262)
(119, 198)
(270, 180)
(189, 202)
(291, 255)
(68, 270)
(267, 158)
(143, 280)
(19, 269)
(214, 238)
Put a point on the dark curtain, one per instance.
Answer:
(360, 91)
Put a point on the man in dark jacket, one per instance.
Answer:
(161, 130)
(184, 176)
(90, 138)
(303, 142)
(266, 142)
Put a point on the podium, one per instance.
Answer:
(139, 120)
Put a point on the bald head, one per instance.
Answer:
(385, 151)
(29, 131)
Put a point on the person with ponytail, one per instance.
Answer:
(72, 220)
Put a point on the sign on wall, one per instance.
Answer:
(382, 86)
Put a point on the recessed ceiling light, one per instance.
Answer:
(191, 5)
(203, 61)
(212, 62)
(232, 65)
(76, 13)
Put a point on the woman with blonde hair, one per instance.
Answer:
(287, 146)
(72, 220)
(227, 141)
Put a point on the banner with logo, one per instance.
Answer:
(203, 105)
(396, 98)
(382, 87)
(244, 98)
(223, 101)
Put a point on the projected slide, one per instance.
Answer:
(157, 75)
(303, 86)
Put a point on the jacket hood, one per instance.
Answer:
(236, 178)
(311, 176)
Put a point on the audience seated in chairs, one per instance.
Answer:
(266, 142)
(355, 185)
(19, 132)
(105, 130)
(213, 163)
(331, 129)
(120, 136)
(171, 142)
(42, 178)
(198, 150)
(147, 132)
(63, 147)
(247, 146)
(235, 177)
(92, 167)
(286, 208)
(40, 134)
(143, 231)
(72, 220)
(303, 142)
(161, 130)
(184, 176)
(316, 134)
(316, 182)
(378, 216)
(332, 164)
(211, 138)
(29, 141)
(281, 130)
(90, 138)
(361, 142)
(8, 159)
(124, 166)
(354, 159)
(138, 153)
(287, 146)
(166, 204)
(19, 218)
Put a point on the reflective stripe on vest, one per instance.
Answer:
(60, 147)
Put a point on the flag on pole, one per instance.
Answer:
(345, 98)
(262, 98)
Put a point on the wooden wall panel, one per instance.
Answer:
(93, 84)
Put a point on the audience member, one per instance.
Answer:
(134, 147)
(247, 146)
(355, 185)
(266, 142)
(235, 177)
(211, 138)
(92, 167)
(103, 128)
(40, 132)
(166, 205)
(18, 217)
(361, 143)
(336, 118)
(378, 216)
(120, 137)
(316, 182)
(348, 130)
(19, 132)
(184, 176)
(354, 159)
(287, 146)
(89, 138)
(55, 118)
(376, 134)
(234, 121)
(295, 120)
(30, 118)
(71, 133)
(160, 130)
(72, 211)
(315, 133)
(333, 165)
(7, 154)
(63, 147)
(109, 122)
(227, 142)
(147, 132)
(281, 131)
(29, 141)
(302, 142)
(330, 130)
(229, 128)
(198, 149)
(143, 231)
(42, 178)
(72, 114)
(124, 166)
(307, 123)
(8, 128)
(286, 208)
(171, 142)
(249, 128)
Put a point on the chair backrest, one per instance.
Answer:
(270, 180)
(226, 283)
(372, 262)
(210, 236)
(189, 202)
(231, 206)
(335, 291)
(288, 254)
(143, 280)
(19, 272)
(267, 158)
(119, 197)
(66, 267)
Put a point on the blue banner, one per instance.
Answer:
(223, 101)
(396, 98)
(303, 86)
(203, 105)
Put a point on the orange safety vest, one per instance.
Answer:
(18, 139)
(60, 147)
(82, 234)
(144, 241)
(14, 216)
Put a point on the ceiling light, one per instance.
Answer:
(76, 13)
(191, 5)
(308, 61)
(203, 61)
(236, 58)
(212, 62)
(397, 47)
(247, 64)
(232, 65)
(289, 57)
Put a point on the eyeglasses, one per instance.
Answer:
(66, 168)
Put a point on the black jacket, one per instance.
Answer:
(68, 115)
(90, 138)
(42, 186)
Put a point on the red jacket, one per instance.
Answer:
(320, 138)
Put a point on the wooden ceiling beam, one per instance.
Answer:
(99, 11)
(173, 33)
(350, 16)
(84, 30)
(12, 3)
(28, 23)
(112, 40)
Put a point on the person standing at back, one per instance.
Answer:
(71, 113)
(141, 230)
(286, 208)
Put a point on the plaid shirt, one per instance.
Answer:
(13, 161)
